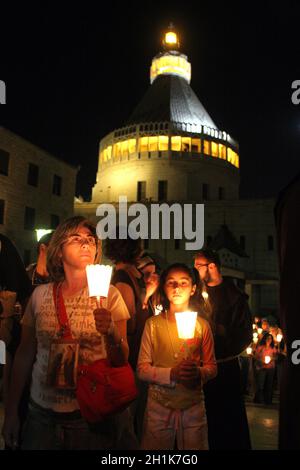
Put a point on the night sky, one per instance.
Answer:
(72, 76)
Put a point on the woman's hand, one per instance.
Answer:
(11, 429)
(103, 320)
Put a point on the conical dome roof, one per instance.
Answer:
(170, 98)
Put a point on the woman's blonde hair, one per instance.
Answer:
(59, 237)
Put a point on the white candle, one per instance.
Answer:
(279, 338)
(186, 322)
(255, 335)
(267, 359)
(259, 331)
(253, 326)
(249, 350)
(98, 277)
(255, 340)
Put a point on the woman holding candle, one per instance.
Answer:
(54, 420)
(175, 409)
(265, 361)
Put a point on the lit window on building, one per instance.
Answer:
(132, 145)
(57, 183)
(54, 221)
(107, 153)
(205, 192)
(196, 145)
(232, 157)
(170, 64)
(270, 243)
(222, 151)
(2, 209)
(214, 149)
(162, 190)
(176, 143)
(33, 174)
(141, 190)
(153, 144)
(163, 143)
(206, 147)
(4, 162)
(143, 144)
(186, 144)
(124, 148)
(29, 218)
(117, 150)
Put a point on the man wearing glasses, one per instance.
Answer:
(231, 323)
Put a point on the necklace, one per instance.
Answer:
(175, 354)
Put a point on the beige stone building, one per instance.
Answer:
(170, 150)
(36, 191)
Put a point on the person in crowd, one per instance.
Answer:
(265, 326)
(37, 272)
(231, 323)
(150, 270)
(125, 254)
(54, 420)
(265, 362)
(15, 289)
(175, 413)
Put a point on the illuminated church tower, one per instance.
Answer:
(169, 149)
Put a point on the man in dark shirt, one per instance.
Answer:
(231, 323)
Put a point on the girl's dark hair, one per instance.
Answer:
(120, 250)
(263, 341)
(175, 266)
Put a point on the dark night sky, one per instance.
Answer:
(74, 75)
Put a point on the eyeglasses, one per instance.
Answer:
(77, 240)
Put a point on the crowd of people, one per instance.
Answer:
(190, 393)
(262, 362)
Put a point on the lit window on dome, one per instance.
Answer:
(233, 157)
(117, 150)
(143, 144)
(176, 143)
(214, 149)
(206, 147)
(107, 153)
(170, 64)
(124, 148)
(196, 145)
(153, 144)
(132, 145)
(222, 151)
(186, 144)
(163, 143)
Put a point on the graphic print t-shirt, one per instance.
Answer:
(40, 314)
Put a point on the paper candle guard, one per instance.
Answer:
(186, 323)
(98, 277)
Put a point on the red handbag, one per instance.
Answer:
(102, 390)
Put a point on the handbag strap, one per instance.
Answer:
(61, 312)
